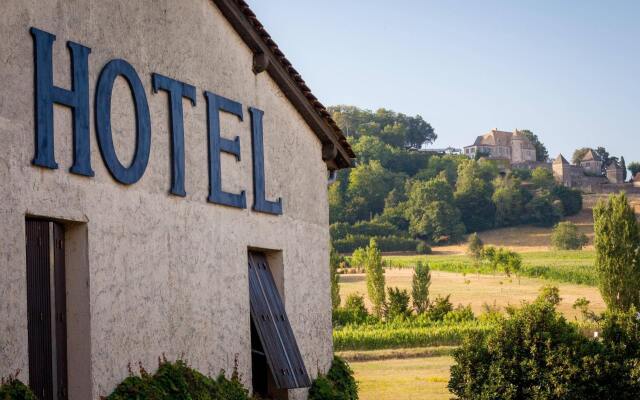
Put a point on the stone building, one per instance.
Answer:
(511, 146)
(614, 172)
(164, 191)
(591, 162)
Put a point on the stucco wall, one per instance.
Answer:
(167, 274)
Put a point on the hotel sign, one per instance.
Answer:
(77, 99)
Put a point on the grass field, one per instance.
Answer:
(570, 266)
(479, 289)
(404, 379)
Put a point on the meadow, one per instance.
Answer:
(567, 266)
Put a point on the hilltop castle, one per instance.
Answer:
(513, 147)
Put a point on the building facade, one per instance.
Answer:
(511, 146)
(154, 154)
(591, 163)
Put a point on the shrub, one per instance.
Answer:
(533, 354)
(420, 287)
(565, 236)
(440, 307)
(386, 243)
(398, 303)
(423, 248)
(12, 389)
(340, 230)
(460, 314)
(474, 246)
(617, 243)
(353, 312)
(176, 380)
(536, 354)
(337, 384)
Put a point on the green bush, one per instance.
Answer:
(460, 314)
(353, 312)
(12, 389)
(534, 353)
(440, 307)
(385, 243)
(565, 236)
(337, 384)
(340, 230)
(398, 303)
(176, 380)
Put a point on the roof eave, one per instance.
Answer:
(336, 152)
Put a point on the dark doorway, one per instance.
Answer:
(46, 309)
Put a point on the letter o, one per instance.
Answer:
(104, 89)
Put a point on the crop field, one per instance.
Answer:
(478, 289)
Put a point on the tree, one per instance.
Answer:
(509, 199)
(474, 246)
(542, 178)
(375, 278)
(571, 199)
(579, 154)
(634, 167)
(565, 236)
(398, 304)
(334, 264)
(420, 287)
(431, 213)
(604, 155)
(543, 211)
(617, 243)
(473, 195)
(541, 151)
(623, 165)
(396, 129)
(369, 184)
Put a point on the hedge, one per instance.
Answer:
(385, 243)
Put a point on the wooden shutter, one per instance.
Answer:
(273, 327)
(46, 319)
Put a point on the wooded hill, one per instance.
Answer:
(408, 198)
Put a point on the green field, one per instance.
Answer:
(570, 266)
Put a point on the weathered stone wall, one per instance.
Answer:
(166, 274)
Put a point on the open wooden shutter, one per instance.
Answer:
(273, 327)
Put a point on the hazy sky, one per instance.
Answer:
(567, 70)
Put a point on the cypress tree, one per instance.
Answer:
(420, 287)
(617, 243)
(334, 264)
(375, 278)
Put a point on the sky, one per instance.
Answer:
(567, 70)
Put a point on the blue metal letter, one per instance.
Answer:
(77, 99)
(104, 89)
(217, 144)
(260, 203)
(177, 90)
